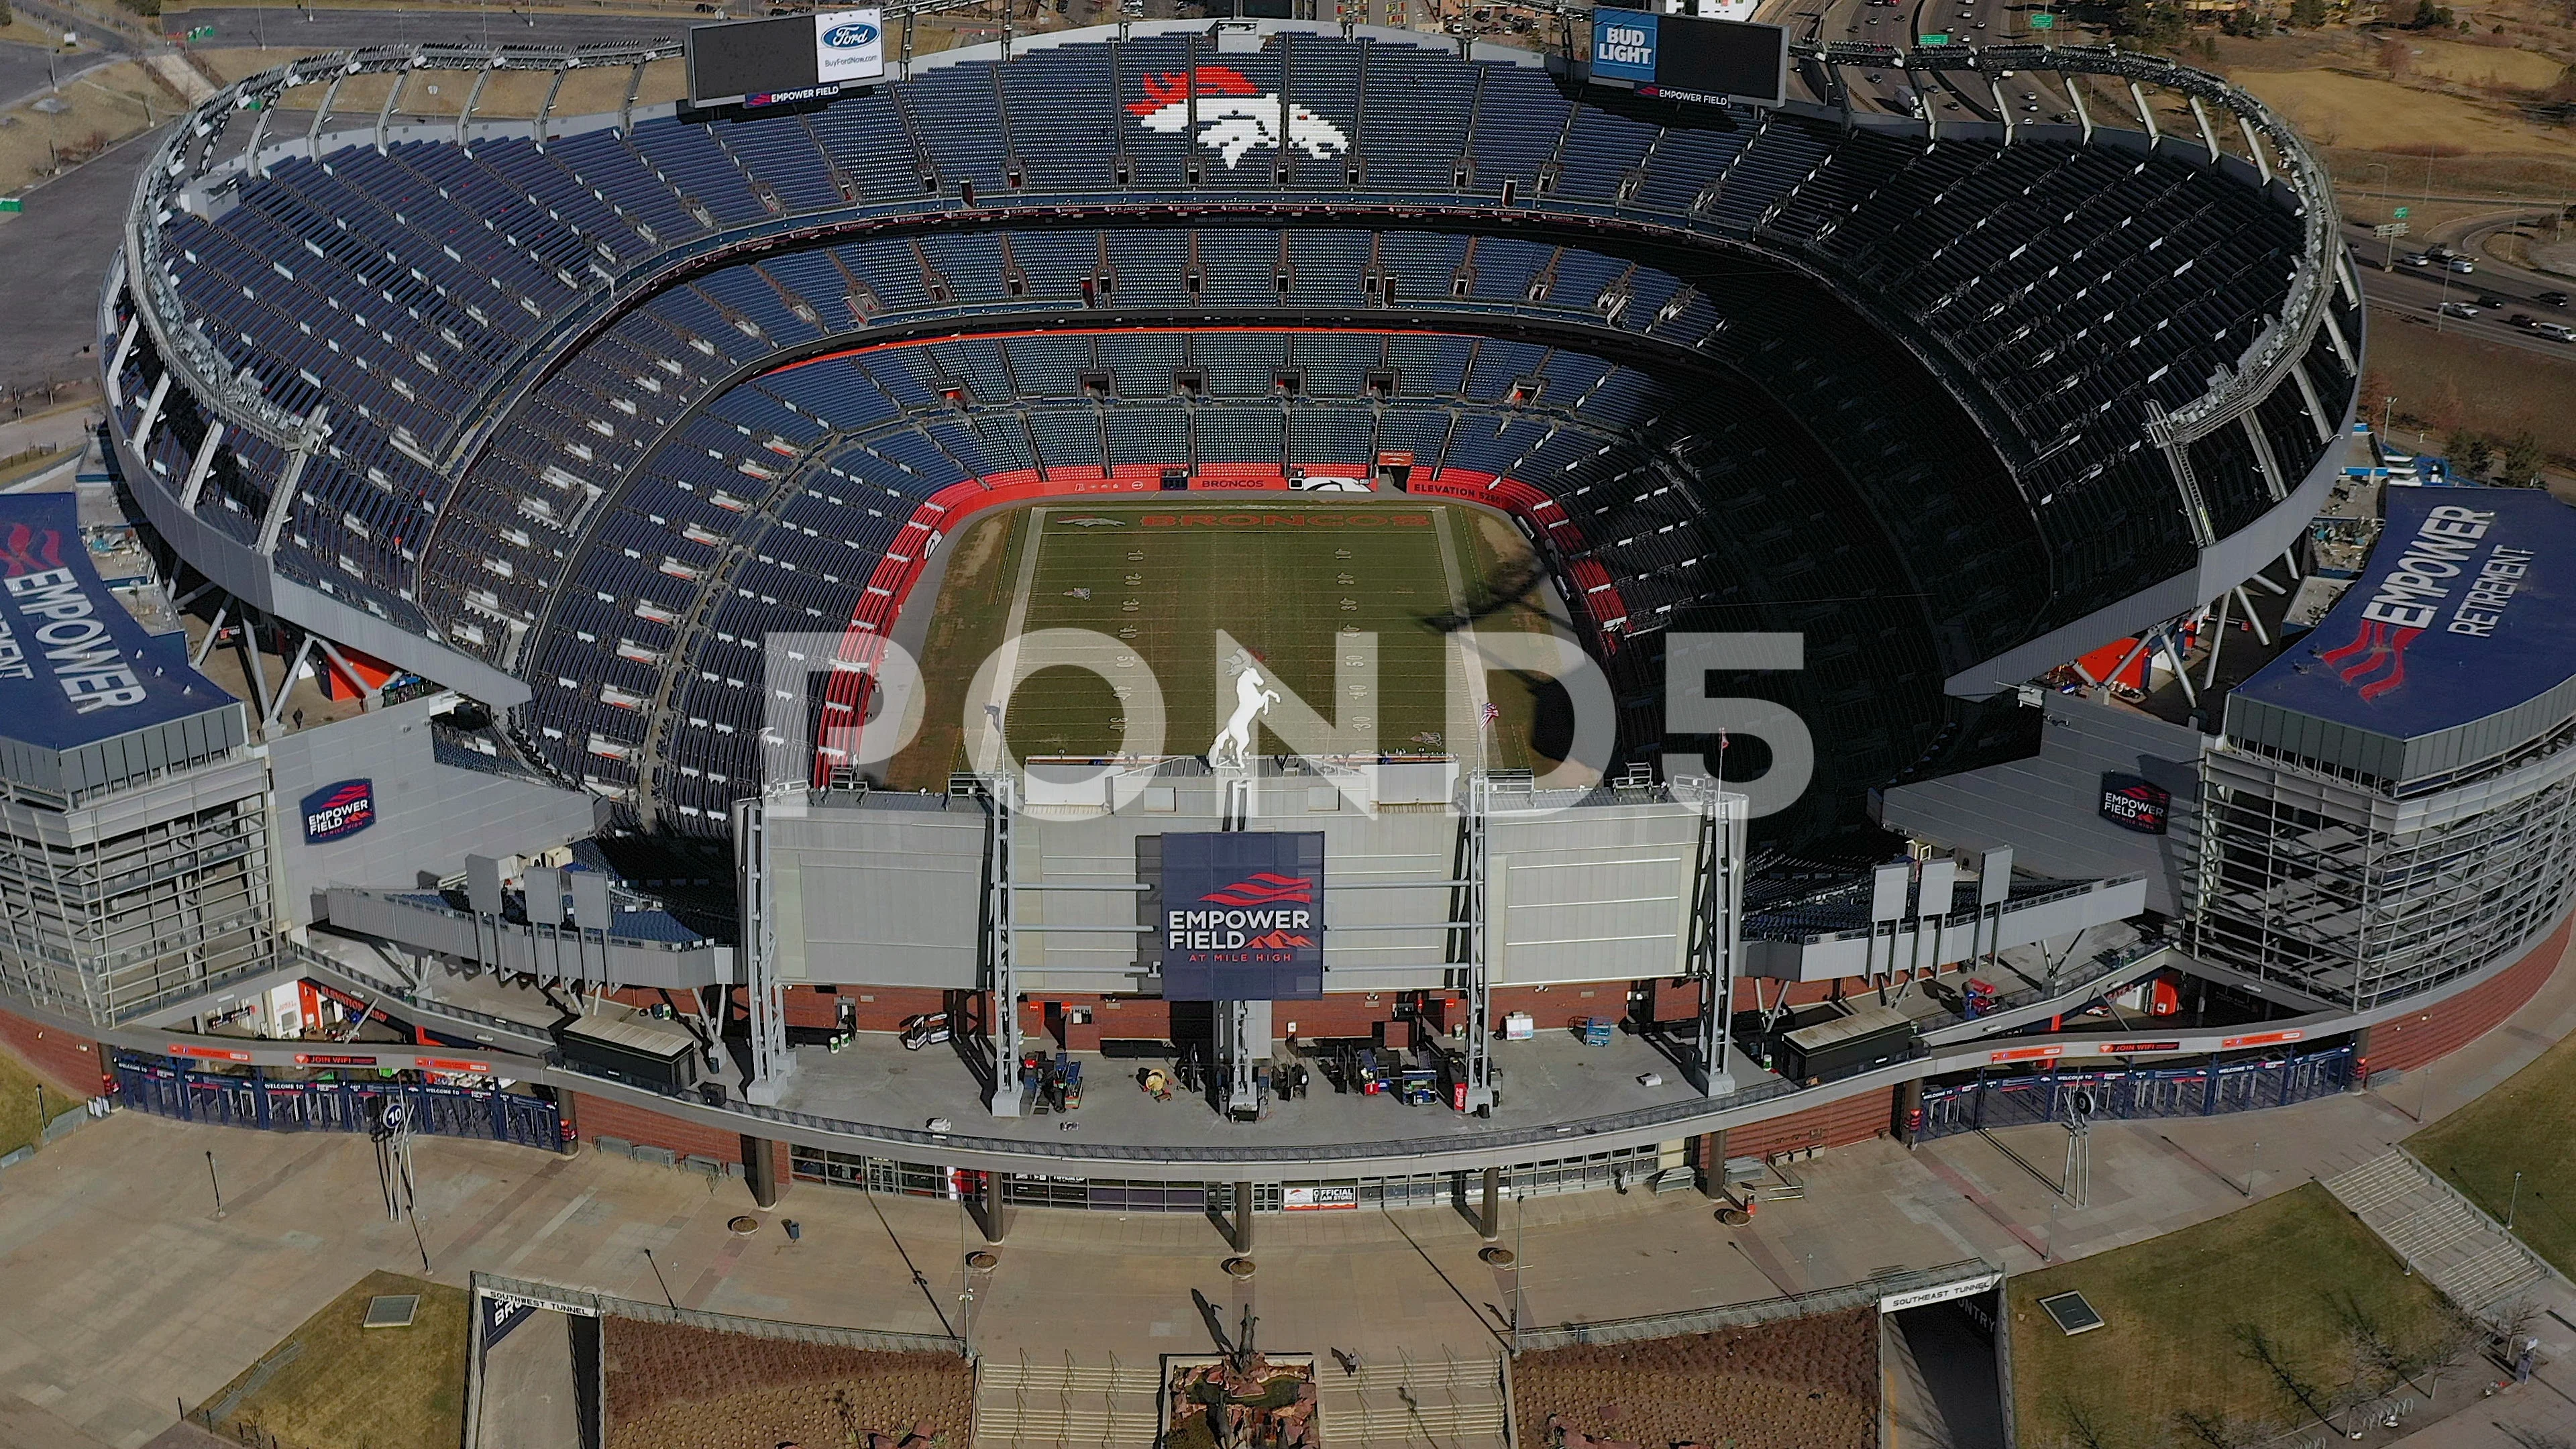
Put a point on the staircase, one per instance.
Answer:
(1409, 1403)
(2442, 1235)
(1026, 1404)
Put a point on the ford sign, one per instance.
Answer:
(336, 812)
(849, 46)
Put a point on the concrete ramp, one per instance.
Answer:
(179, 73)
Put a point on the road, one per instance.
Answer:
(288, 28)
(53, 259)
(2419, 292)
(1903, 23)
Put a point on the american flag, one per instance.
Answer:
(1492, 712)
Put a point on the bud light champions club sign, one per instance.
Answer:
(1241, 916)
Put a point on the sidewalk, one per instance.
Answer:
(127, 1295)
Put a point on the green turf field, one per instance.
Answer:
(1286, 577)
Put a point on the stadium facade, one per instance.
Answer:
(570, 417)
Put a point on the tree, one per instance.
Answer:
(2429, 16)
(2522, 459)
(2470, 451)
(2308, 14)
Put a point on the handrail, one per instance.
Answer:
(588, 1304)
(1869, 1291)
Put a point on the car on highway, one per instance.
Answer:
(2416, 259)
(2521, 319)
(2551, 299)
(2489, 299)
(2460, 309)
(2555, 331)
(2458, 266)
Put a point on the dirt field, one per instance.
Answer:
(2336, 108)
(2442, 381)
(687, 1388)
(1811, 1383)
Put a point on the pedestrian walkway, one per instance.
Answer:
(2437, 1232)
(1454, 1403)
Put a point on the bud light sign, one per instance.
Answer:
(1241, 916)
(336, 812)
(1623, 45)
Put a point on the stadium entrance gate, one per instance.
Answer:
(340, 1106)
(2196, 1091)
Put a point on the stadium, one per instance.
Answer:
(1709, 609)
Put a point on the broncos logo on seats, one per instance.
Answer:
(1234, 117)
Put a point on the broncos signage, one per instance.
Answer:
(1234, 117)
(336, 812)
(1241, 916)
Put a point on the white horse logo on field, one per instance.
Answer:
(1250, 699)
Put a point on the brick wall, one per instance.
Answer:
(607, 1117)
(1835, 1124)
(879, 1008)
(2421, 1036)
(67, 1059)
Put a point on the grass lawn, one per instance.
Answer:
(1157, 578)
(333, 1385)
(2527, 1125)
(20, 1124)
(2179, 1311)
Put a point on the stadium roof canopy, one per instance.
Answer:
(87, 698)
(2456, 645)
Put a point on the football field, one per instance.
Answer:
(1194, 590)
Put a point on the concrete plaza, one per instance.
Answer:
(125, 1295)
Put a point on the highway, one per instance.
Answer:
(2419, 292)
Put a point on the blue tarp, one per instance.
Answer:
(2467, 608)
(75, 667)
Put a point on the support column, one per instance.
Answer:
(1489, 1222)
(1001, 949)
(2208, 132)
(124, 349)
(1243, 1217)
(764, 1168)
(771, 1062)
(1480, 999)
(151, 414)
(1716, 922)
(200, 466)
(997, 1190)
(1712, 1166)
(2146, 113)
(2254, 143)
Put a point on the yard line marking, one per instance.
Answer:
(1033, 528)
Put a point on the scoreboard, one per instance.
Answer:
(1684, 58)
(789, 58)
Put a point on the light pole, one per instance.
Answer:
(2513, 1202)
